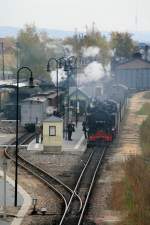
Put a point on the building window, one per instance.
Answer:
(52, 130)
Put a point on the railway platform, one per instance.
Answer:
(78, 142)
(24, 202)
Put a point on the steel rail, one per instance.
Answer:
(44, 174)
(75, 189)
(39, 177)
(78, 185)
(91, 186)
(52, 177)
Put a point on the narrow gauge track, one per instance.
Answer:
(83, 187)
(61, 189)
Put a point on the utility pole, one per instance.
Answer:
(76, 77)
(17, 55)
(3, 63)
(4, 169)
(68, 99)
(93, 27)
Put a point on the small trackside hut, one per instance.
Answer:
(52, 134)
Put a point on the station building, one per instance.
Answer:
(76, 94)
(38, 107)
(135, 74)
(33, 110)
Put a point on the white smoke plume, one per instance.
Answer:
(90, 51)
(93, 72)
(61, 76)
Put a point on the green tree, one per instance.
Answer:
(33, 50)
(122, 45)
(91, 39)
(99, 40)
(9, 53)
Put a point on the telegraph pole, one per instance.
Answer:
(4, 169)
(3, 63)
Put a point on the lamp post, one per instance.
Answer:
(4, 169)
(76, 73)
(49, 70)
(69, 66)
(17, 55)
(60, 62)
(17, 118)
(73, 67)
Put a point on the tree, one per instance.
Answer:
(9, 53)
(33, 51)
(91, 39)
(122, 45)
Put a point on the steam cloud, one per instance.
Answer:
(61, 76)
(93, 72)
(90, 51)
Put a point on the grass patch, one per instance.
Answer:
(145, 137)
(137, 192)
(145, 110)
(147, 95)
(132, 194)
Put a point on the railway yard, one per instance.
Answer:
(74, 113)
(66, 167)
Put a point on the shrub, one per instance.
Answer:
(30, 127)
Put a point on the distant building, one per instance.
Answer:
(39, 106)
(4, 97)
(81, 97)
(135, 74)
(7, 74)
(33, 109)
(51, 97)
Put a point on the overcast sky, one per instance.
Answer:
(70, 14)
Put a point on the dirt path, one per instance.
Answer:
(127, 144)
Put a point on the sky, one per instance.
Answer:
(108, 15)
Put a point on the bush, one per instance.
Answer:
(145, 137)
(145, 109)
(30, 127)
(147, 95)
(132, 194)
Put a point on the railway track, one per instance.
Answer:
(83, 188)
(74, 201)
(62, 190)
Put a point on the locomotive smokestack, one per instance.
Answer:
(99, 92)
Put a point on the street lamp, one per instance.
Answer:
(74, 67)
(49, 70)
(69, 66)
(17, 55)
(17, 118)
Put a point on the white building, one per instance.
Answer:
(33, 109)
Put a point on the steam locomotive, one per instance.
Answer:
(104, 116)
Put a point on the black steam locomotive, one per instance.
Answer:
(104, 117)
